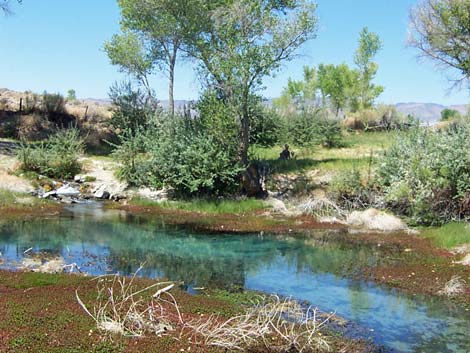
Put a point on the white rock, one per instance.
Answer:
(102, 194)
(67, 190)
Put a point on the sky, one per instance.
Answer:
(57, 45)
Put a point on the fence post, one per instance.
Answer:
(86, 112)
(21, 104)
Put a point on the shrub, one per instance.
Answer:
(450, 114)
(132, 108)
(53, 104)
(56, 158)
(348, 190)
(181, 153)
(302, 129)
(329, 133)
(267, 127)
(312, 128)
(426, 174)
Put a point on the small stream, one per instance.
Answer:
(305, 267)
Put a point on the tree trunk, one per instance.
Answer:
(171, 83)
(244, 133)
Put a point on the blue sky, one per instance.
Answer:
(56, 45)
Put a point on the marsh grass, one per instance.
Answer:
(449, 235)
(207, 206)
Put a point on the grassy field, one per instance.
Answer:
(359, 151)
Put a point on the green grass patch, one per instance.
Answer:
(357, 153)
(207, 206)
(449, 235)
(18, 200)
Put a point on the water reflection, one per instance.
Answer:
(303, 267)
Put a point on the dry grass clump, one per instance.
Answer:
(323, 207)
(455, 286)
(276, 326)
(121, 309)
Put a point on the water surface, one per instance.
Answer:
(304, 267)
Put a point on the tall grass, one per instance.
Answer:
(449, 235)
(207, 206)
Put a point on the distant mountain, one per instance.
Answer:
(428, 112)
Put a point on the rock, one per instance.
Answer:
(67, 190)
(277, 205)
(154, 195)
(62, 192)
(373, 219)
(79, 178)
(102, 194)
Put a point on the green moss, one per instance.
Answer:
(449, 235)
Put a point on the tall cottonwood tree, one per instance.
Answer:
(159, 25)
(369, 46)
(240, 42)
(337, 83)
(440, 30)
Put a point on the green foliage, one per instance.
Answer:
(307, 129)
(440, 31)
(241, 42)
(302, 129)
(267, 128)
(191, 155)
(217, 118)
(426, 174)
(71, 95)
(128, 52)
(450, 114)
(337, 83)
(329, 133)
(56, 158)
(299, 95)
(132, 110)
(369, 45)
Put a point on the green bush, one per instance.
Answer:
(56, 158)
(267, 127)
(426, 174)
(315, 128)
(450, 114)
(329, 133)
(132, 108)
(302, 129)
(181, 153)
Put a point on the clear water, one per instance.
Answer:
(303, 267)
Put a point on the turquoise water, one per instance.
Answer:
(305, 267)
